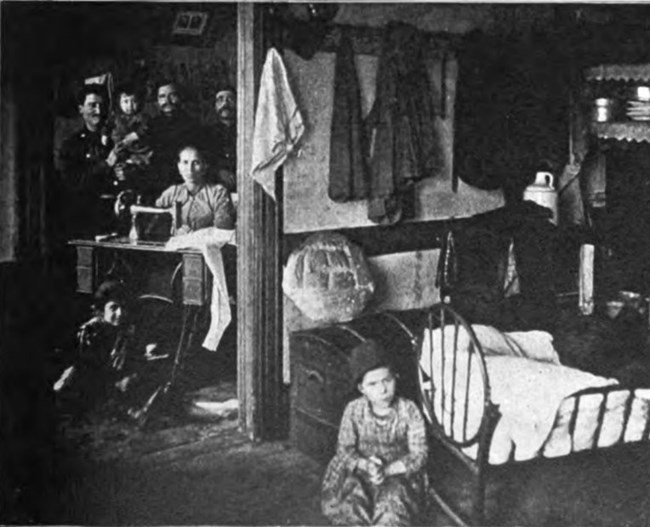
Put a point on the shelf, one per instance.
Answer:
(638, 131)
(619, 72)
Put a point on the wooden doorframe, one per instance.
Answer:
(263, 403)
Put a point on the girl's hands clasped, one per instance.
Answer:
(374, 467)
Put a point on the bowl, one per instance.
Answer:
(642, 93)
(613, 308)
(630, 298)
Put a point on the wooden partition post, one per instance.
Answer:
(262, 401)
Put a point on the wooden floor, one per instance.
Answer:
(207, 474)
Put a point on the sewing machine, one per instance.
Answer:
(135, 210)
(125, 202)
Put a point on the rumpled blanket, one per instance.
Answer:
(209, 241)
(278, 123)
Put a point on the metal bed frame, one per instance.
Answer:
(455, 438)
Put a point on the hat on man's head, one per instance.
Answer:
(369, 355)
(224, 86)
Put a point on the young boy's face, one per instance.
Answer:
(129, 104)
(378, 386)
(113, 313)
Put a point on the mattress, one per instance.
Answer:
(537, 397)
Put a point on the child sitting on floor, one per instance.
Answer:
(100, 365)
(378, 475)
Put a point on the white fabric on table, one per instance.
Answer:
(209, 241)
(278, 122)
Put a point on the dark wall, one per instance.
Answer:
(38, 306)
(30, 323)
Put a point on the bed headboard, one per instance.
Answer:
(453, 381)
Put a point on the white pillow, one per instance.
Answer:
(534, 345)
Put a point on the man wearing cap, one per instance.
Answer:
(170, 130)
(223, 137)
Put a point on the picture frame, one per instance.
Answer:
(190, 23)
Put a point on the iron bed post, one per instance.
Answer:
(492, 416)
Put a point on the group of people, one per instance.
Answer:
(169, 161)
(129, 150)
(379, 473)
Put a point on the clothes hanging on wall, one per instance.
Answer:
(404, 145)
(278, 122)
(511, 110)
(349, 175)
(507, 268)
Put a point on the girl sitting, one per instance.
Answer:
(378, 475)
(100, 366)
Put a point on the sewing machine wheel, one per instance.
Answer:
(158, 323)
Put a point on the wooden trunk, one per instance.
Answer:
(321, 380)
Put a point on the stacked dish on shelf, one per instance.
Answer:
(638, 107)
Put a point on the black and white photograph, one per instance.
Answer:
(337, 263)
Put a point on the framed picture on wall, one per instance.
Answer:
(190, 23)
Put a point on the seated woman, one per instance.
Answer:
(207, 223)
(378, 475)
(203, 204)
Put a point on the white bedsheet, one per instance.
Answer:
(534, 397)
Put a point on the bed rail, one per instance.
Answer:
(454, 390)
(445, 374)
(616, 415)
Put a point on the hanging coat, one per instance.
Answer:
(349, 176)
(404, 145)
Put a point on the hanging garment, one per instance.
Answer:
(278, 123)
(404, 145)
(510, 109)
(349, 174)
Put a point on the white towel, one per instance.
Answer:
(278, 123)
(209, 241)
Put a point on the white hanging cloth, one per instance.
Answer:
(209, 241)
(278, 123)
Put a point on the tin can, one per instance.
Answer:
(603, 110)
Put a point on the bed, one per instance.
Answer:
(494, 399)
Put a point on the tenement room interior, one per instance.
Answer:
(206, 209)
